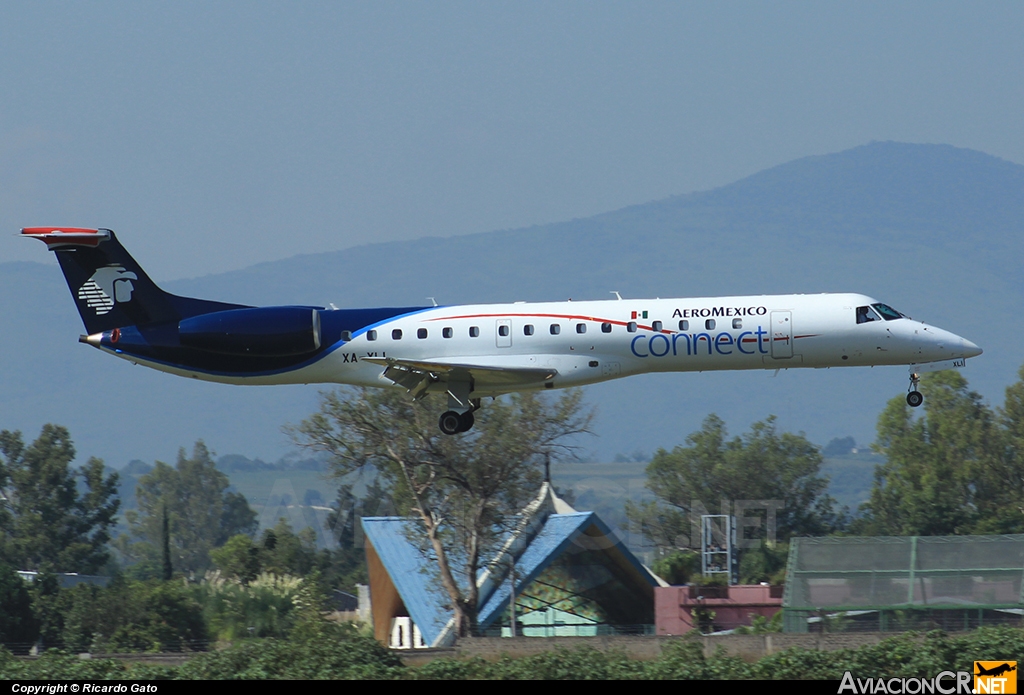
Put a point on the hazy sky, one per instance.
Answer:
(212, 136)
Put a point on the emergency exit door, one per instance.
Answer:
(503, 333)
(782, 334)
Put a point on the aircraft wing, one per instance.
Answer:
(418, 375)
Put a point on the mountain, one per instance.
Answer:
(933, 230)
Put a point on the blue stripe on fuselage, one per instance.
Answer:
(332, 323)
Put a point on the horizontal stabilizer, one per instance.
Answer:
(66, 236)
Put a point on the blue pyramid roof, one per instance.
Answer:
(410, 572)
(541, 537)
(558, 532)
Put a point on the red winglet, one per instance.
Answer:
(66, 236)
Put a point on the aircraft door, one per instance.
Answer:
(782, 334)
(503, 333)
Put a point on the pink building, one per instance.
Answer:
(679, 609)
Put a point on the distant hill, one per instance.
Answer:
(933, 230)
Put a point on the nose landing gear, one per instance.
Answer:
(914, 397)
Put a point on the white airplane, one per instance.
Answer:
(483, 350)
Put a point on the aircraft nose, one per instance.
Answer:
(969, 348)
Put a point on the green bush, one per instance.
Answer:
(684, 659)
(338, 652)
(564, 664)
(132, 616)
(321, 649)
(230, 607)
(451, 670)
(59, 665)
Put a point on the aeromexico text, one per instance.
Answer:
(724, 343)
(719, 311)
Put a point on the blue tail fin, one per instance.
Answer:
(109, 287)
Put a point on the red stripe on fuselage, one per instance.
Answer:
(579, 317)
(567, 317)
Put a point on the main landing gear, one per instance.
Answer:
(914, 397)
(459, 416)
(452, 422)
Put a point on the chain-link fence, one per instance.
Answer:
(903, 583)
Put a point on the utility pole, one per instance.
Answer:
(165, 542)
(512, 598)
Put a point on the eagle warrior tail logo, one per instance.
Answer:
(107, 285)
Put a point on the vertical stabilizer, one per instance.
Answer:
(109, 287)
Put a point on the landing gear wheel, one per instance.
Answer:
(450, 422)
(467, 420)
(914, 397)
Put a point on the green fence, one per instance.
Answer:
(903, 583)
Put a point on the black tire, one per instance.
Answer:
(450, 422)
(468, 420)
(914, 399)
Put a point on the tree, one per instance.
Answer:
(1002, 508)
(945, 471)
(238, 558)
(286, 552)
(166, 564)
(345, 566)
(957, 468)
(50, 518)
(764, 564)
(281, 550)
(201, 512)
(464, 490)
(677, 567)
(761, 465)
(17, 623)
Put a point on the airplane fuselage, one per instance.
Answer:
(474, 351)
(592, 341)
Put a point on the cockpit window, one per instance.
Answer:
(887, 312)
(866, 314)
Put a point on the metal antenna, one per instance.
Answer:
(617, 295)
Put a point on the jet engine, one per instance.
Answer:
(276, 331)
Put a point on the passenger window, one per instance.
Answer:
(684, 325)
(656, 326)
(346, 336)
(421, 333)
(737, 323)
(581, 328)
(446, 332)
(396, 334)
(709, 324)
(606, 327)
(371, 335)
(866, 314)
(528, 329)
(474, 332)
(555, 329)
(503, 330)
(631, 326)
